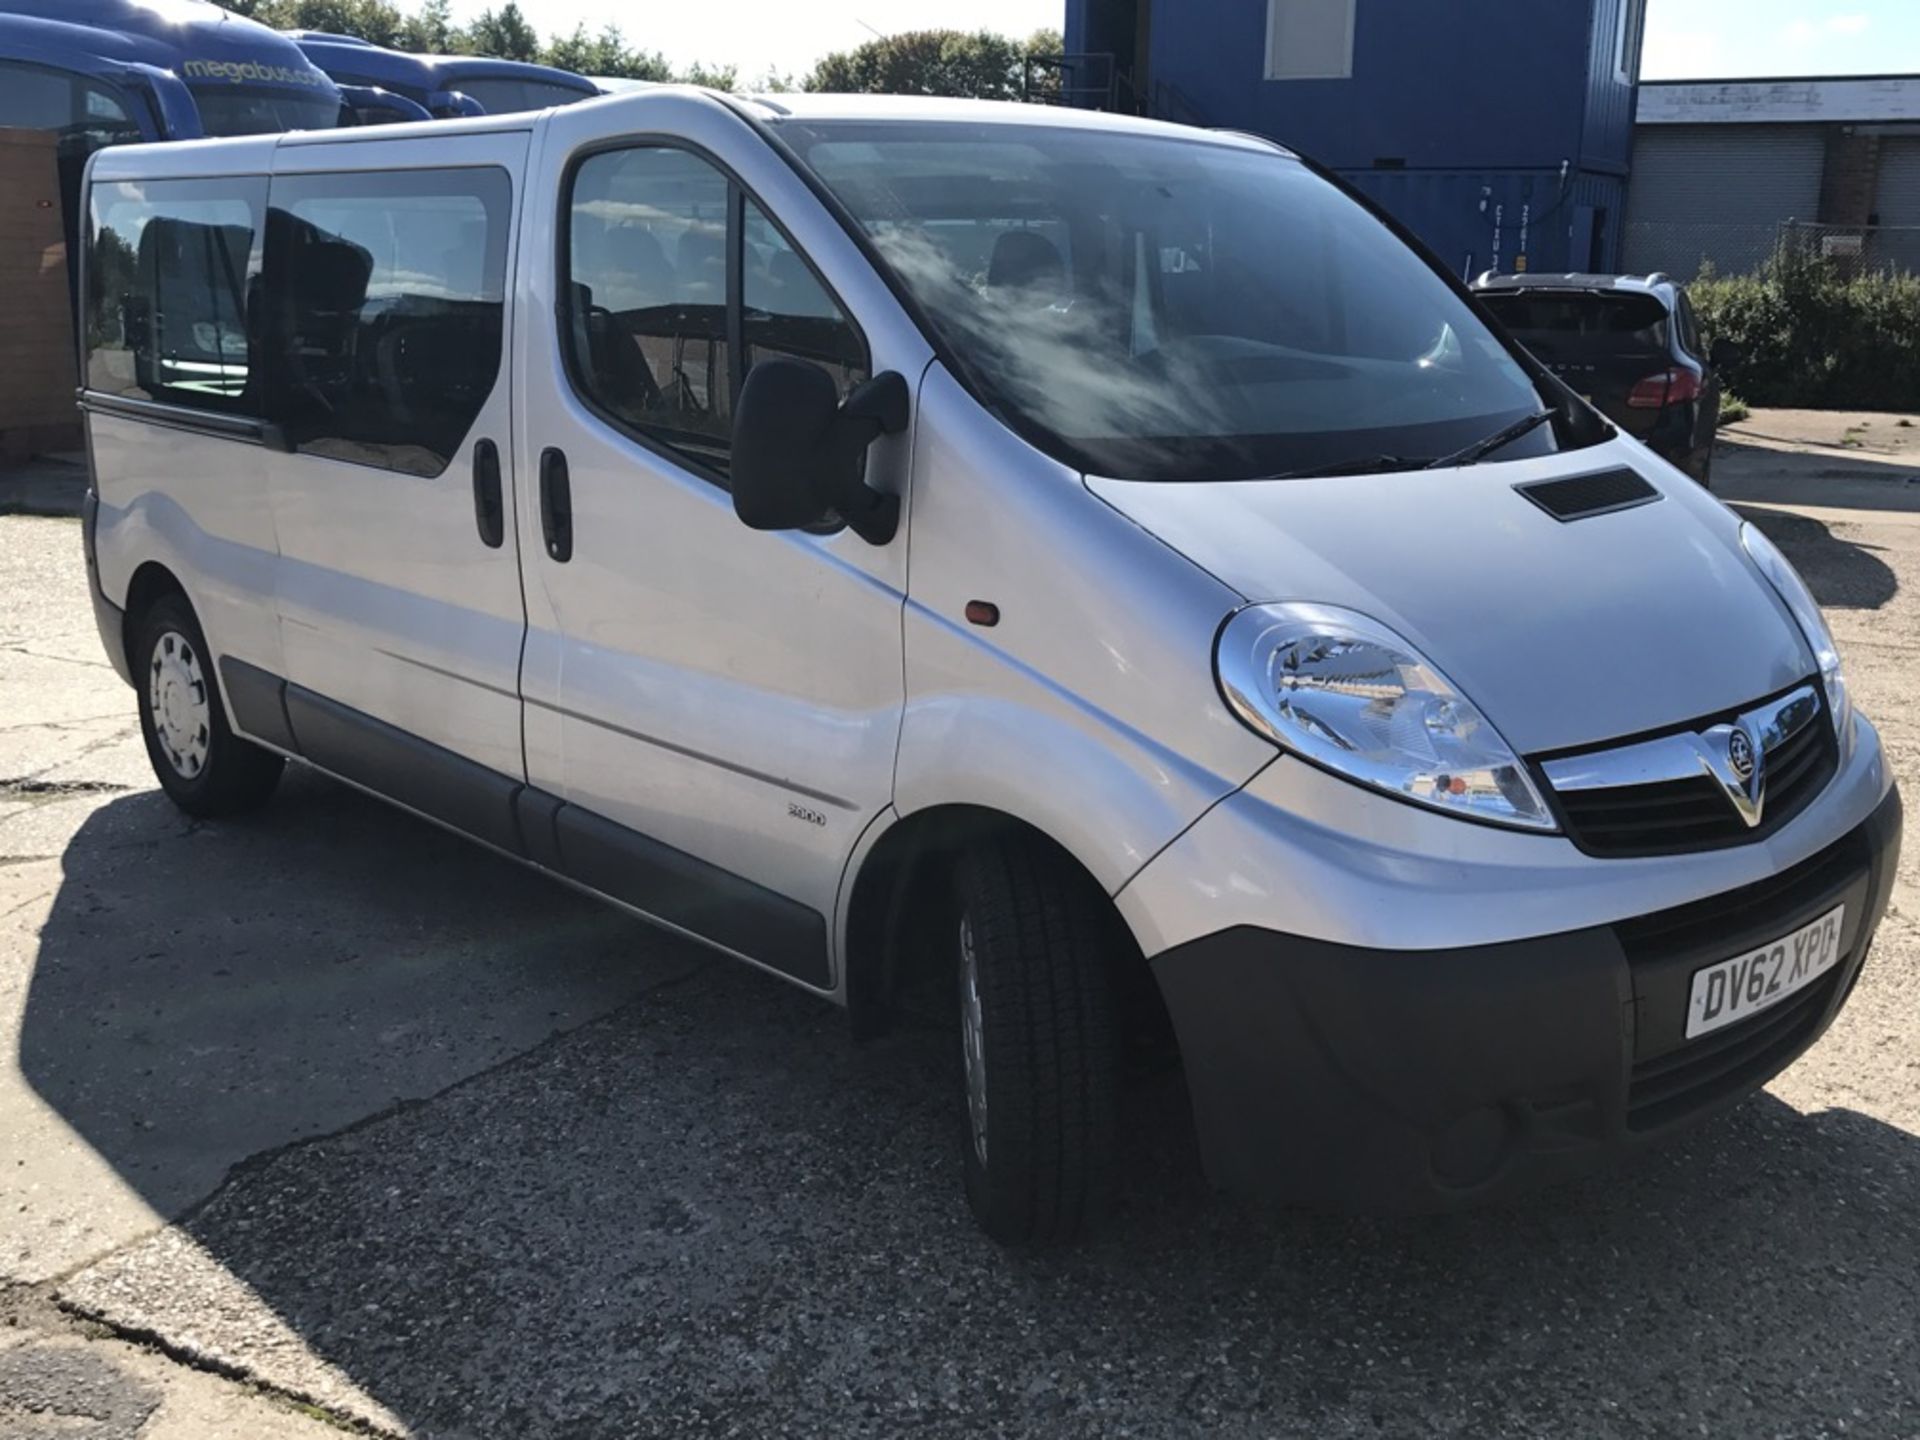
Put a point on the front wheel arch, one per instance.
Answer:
(894, 950)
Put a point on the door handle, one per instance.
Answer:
(556, 505)
(489, 512)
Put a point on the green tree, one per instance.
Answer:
(503, 34)
(605, 54)
(714, 77)
(432, 31)
(377, 20)
(976, 65)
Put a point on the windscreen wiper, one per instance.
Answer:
(1364, 465)
(1480, 449)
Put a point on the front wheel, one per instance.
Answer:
(1039, 1042)
(204, 767)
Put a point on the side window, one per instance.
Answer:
(387, 311)
(172, 275)
(647, 292)
(83, 113)
(656, 307)
(787, 311)
(1689, 328)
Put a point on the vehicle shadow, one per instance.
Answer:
(204, 992)
(708, 1210)
(1842, 574)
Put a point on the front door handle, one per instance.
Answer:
(556, 505)
(489, 512)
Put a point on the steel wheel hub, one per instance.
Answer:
(182, 710)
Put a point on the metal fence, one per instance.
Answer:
(1683, 248)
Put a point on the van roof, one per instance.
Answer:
(931, 108)
(215, 157)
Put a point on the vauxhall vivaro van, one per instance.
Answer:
(1093, 573)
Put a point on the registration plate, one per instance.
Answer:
(1732, 990)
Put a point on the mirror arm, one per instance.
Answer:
(875, 408)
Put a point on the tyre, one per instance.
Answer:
(1039, 1042)
(203, 766)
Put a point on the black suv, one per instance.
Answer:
(1630, 345)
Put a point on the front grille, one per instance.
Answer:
(1673, 1075)
(1674, 816)
(1722, 924)
(1701, 1071)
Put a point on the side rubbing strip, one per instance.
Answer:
(694, 895)
(421, 776)
(622, 864)
(534, 812)
(258, 701)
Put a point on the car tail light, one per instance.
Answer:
(1669, 387)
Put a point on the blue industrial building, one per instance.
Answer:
(1499, 131)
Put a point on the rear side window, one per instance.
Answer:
(172, 274)
(676, 285)
(507, 96)
(388, 311)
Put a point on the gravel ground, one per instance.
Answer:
(503, 1164)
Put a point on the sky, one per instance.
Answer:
(1685, 38)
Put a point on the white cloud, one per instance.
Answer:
(1674, 53)
(1806, 32)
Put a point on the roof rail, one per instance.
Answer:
(1659, 277)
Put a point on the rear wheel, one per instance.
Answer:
(203, 766)
(1039, 1042)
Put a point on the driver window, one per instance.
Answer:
(647, 297)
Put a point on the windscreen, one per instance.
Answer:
(246, 110)
(1163, 308)
(1568, 323)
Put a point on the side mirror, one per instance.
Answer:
(797, 449)
(1724, 352)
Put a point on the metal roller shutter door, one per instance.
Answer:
(1717, 193)
(1898, 204)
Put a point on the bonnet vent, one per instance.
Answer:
(1578, 496)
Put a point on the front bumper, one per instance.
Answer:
(1338, 1076)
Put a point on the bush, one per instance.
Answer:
(1811, 334)
(1732, 408)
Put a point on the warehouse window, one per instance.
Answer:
(1633, 30)
(1310, 39)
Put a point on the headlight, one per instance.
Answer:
(1345, 692)
(1799, 600)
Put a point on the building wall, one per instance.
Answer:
(1607, 135)
(1723, 193)
(36, 341)
(1504, 220)
(1897, 202)
(1482, 84)
(1718, 194)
